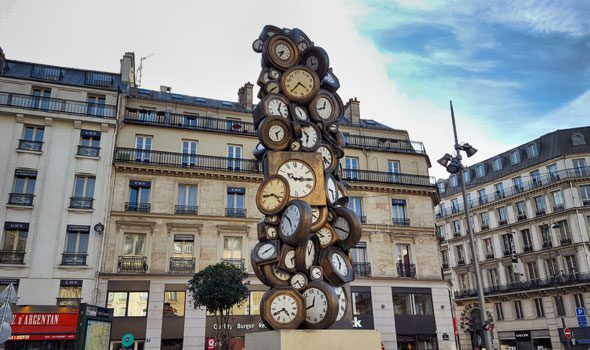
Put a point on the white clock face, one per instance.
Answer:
(316, 273)
(323, 107)
(332, 190)
(282, 275)
(298, 281)
(339, 264)
(309, 137)
(271, 232)
(265, 77)
(341, 294)
(315, 215)
(283, 308)
(329, 78)
(283, 51)
(278, 107)
(290, 259)
(273, 73)
(316, 304)
(326, 156)
(300, 113)
(309, 254)
(300, 177)
(290, 220)
(341, 227)
(276, 133)
(266, 251)
(325, 236)
(295, 146)
(302, 46)
(312, 62)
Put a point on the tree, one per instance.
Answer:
(218, 288)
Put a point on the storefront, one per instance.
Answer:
(537, 339)
(580, 338)
(415, 324)
(43, 328)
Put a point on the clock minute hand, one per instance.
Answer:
(312, 304)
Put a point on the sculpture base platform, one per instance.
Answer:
(324, 339)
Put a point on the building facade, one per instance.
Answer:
(530, 212)
(57, 134)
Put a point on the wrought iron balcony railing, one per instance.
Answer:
(186, 209)
(182, 265)
(460, 262)
(81, 202)
(73, 259)
(383, 177)
(71, 302)
(586, 202)
(362, 269)
(502, 222)
(558, 207)
(401, 221)
(57, 105)
(527, 248)
(239, 263)
(133, 264)
(485, 227)
(30, 145)
(445, 266)
(235, 212)
(12, 256)
(384, 144)
(139, 207)
(406, 270)
(88, 151)
(540, 212)
(547, 244)
(24, 199)
(565, 240)
(489, 256)
(522, 217)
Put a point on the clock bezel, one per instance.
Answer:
(354, 226)
(331, 305)
(301, 253)
(282, 264)
(330, 273)
(319, 138)
(271, 277)
(266, 302)
(333, 240)
(302, 230)
(322, 218)
(321, 55)
(269, 54)
(333, 163)
(259, 195)
(296, 98)
(264, 129)
(335, 108)
(274, 258)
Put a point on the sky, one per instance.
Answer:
(514, 70)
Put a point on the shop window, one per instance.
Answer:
(174, 302)
(128, 304)
(361, 303)
(412, 304)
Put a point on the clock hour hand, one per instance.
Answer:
(312, 304)
(270, 195)
(290, 223)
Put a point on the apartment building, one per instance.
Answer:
(57, 134)
(530, 211)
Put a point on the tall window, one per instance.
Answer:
(453, 181)
(532, 271)
(507, 243)
(356, 204)
(398, 207)
(515, 157)
(464, 281)
(187, 199)
(454, 205)
(497, 164)
(521, 210)
(527, 241)
(183, 246)
(564, 232)
(553, 172)
(517, 182)
(499, 191)
(539, 307)
(441, 187)
(585, 195)
(361, 303)
(545, 236)
(536, 177)
(489, 246)
(483, 197)
(502, 216)
(579, 300)
(89, 143)
(532, 150)
(83, 196)
(580, 167)
(460, 254)
(23, 189)
(76, 245)
(393, 170)
(95, 105)
(559, 306)
(14, 242)
(359, 253)
(499, 311)
(466, 176)
(456, 228)
(403, 254)
(139, 195)
(134, 244)
(128, 304)
(510, 276)
(557, 200)
(232, 247)
(493, 277)
(32, 138)
(70, 293)
(540, 204)
(484, 218)
(518, 314)
(189, 153)
(351, 166)
(174, 303)
(41, 98)
(189, 121)
(571, 263)
(235, 201)
(551, 267)
(143, 146)
(234, 153)
(480, 170)
(445, 257)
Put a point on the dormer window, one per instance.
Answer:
(480, 170)
(453, 181)
(578, 139)
(532, 150)
(497, 164)
(441, 187)
(466, 176)
(515, 157)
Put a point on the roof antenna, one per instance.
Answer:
(140, 69)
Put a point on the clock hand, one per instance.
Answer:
(281, 53)
(264, 252)
(312, 304)
(290, 223)
(309, 249)
(271, 195)
(339, 264)
(277, 134)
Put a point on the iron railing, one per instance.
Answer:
(547, 244)
(522, 217)
(235, 212)
(527, 248)
(73, 258)
(21, 199)
(182, 265)
(192, 122)
(57, 105)
(460, 262)
(565, 240)
(139, 207)
(540, 212)
(445, 266)
(30, 145)
(384, 144)
(400, 221)
(88, 151)
(239, 263)
(12, 256)
(383, 177)
(81, 202)
(489, 256)
(406, 270)
(133, 264)
(362, 269)
(72, 302)
(183, 160)
(186, 209)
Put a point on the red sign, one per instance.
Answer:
(567, 333)
(455, 327)
(44, 326)
(210, 343)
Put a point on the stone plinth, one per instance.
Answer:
(324, 339)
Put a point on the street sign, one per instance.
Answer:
(567, 333)
(580, 311)
(127, 340)
(582, 322)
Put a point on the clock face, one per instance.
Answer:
(327, 157)
(278, 107)
(301, 114)
(283, 51)
(290, 220)
(277, 133)
(325, 235)
(315, 272)
(341, 294)
(272, 87)
(280, 274)
(266, 251)
(331, 189)
(295, 145)
(324, 107)
(312, 62)
(257, 45)
(274, 195)
(302, 46)
(300, 83)
(274, 74)
(290, 259)
(316, 304)
(298, 281)
(271, 232)
(341, 227)
(283, 308)
(310, 138)
(300, 176)
(339, 264)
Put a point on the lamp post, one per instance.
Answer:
(454, 166)
(558, 299)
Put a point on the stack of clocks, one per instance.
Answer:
(307, 230)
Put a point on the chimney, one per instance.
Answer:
(164, 88)
(128, 69)
(245, 96)
(352, 111)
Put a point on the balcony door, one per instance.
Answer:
(351, 166)
(234, 153)
(143, 146)
(404, 266)
(189, 153)
(393, 170)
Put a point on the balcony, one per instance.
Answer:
(499, 195)
(191, 122)
(482, 200)
(235, 212)
(73, 259)
(12, 256)
(406, 270)
(28, 145)
(547, 244)
(456, 234)
(518, 189)
(586, 202)
(558, 207)
(401, 221)
(485, 227)
(23, 199)
(502, 222)
(522, 217)
(56, 105)
(362, 269)
(139, 207)
(186, 161)
(565, 240)
(454, 209)
(383, 177)
(527, 248)
(445, 266)
(68, 302)
(461, 262)
(363, 219)
(81, 202)
(239, 263)
(540, 212)
(489, 256)
(507, 252)
(186, 209)
(182, 265)
(384, 144)
(133, 264)
(88, 151)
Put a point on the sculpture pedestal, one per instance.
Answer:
(324, 339)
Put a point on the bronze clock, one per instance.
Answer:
(321, 304)
(280, 51)
(272, 195)
(282, 308)
(275, 133)
(300, 84)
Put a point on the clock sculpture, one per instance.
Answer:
(307, 229)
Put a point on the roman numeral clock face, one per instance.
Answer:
(300, 176)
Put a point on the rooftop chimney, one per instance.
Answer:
(352, 111)
(128, 69)
(245, 96)
(164, 88)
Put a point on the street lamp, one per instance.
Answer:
(558, 297)
(453, 165)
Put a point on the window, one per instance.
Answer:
(466, 176)
(499, 191)
(480, 170)
(233, 124)
(540, 205)
(351, 166)
(532, 271)
(356, 204)
(454, 205)
(69, 295)
(536, 178)
(564, 232)
(493, 277)
(571, 264)
(234, 153)
(134, 244)
(14, 242)
(532, 150)
(143, 147)
(441, 230)
(96, 105)
(441, 187)
(412, 304)
(456, 228)
(76, 248)
(557, 200)
(507, 243)
(359, 252)
(189, 121)
(499, 311)
(546, 236)
(393, 169)
(518, 310)
(398, 207)
(497, 164)
(585, 195)
(41, 98)
(187, 199)
(464, 282)
(453, 181)
(445, 258)
(250, 306)
(521, 210)
(553, 172)
(515, 157)
(489, 246)
(174, 303)
(580, 167)
(502, 216)
(23, 190)
(527, 241)
(404, 265)
(579, 300)
(551, 267)
(128, 304)
(510, 276)
(139, 196)
(89, 143)
(559, 306)
(517, 182)
(483, 197)
(539, 307)
(183, 246)
(83, 196)
(460, 255)
(469, 201)
(189, 153)
(235, 202)
(232, 247)
(32, 139)
(484, 218)
(361, 303)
